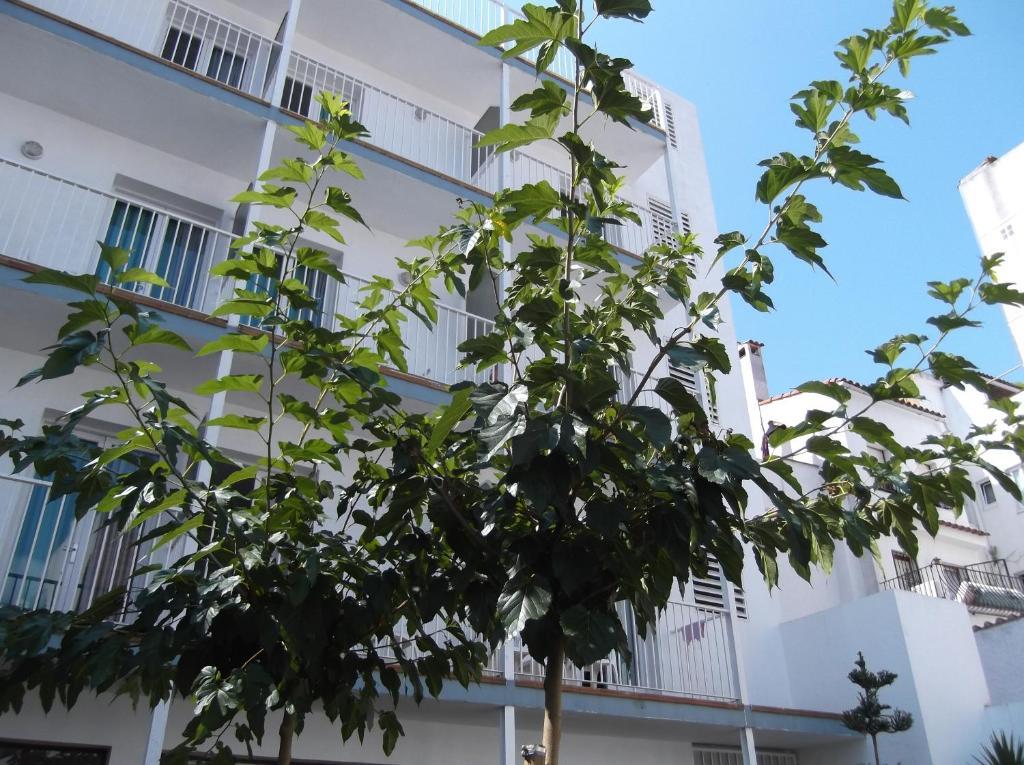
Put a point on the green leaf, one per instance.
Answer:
(140, 276)
(240, 383)
(114, 257)
(543, 28)
(518, 603)
(680, 399)
(238, 422)
(783, 171)
(533, 200)
(187, 527)
(657, 426)
(549, 98)
(508, 137)
(835, 391)
(85, 283)
(591, 635)
(451, 415)
(634, 10)
(236, 341)
(154, 335)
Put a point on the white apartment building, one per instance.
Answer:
(133, 121)
(993, 195)
(948, 623)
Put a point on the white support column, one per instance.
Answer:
(157, 733)
(507, 754)
(670, 182)
(226, 358)
(158, 720)
(747, 749)
(739, 672)
(505, 179)
(287, 42)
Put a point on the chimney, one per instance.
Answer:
(752, 363)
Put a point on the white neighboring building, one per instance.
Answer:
(993, 195)
(948, 623)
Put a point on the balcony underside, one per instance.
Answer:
(78, 74)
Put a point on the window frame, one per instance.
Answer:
(59, 747)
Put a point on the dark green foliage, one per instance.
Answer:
(268, 589)
(871, 717)
(1001, 750)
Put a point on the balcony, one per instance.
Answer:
(53, 222)
(50, 560)
(182, 34)
(985, 588)
(479, 17)
(241, 59)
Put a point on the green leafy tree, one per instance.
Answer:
(269, 590)
(585, 498)
(1001, 750)
(871, 717)
(549, 497)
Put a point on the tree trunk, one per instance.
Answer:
(874, 744)
(552, 735)
(286, 733)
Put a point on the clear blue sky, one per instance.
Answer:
(739, 61)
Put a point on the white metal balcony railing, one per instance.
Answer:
(481, 16)
(181, 33)
(54, 222)
(394, 124)
(688, 654)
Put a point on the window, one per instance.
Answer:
(226, 67)
(297, 96)
(316, 285)
(988, 492)
(1006, 231)
(58, 562)
(23, 753)
(181, 48)
(170, 247)
(907, 572)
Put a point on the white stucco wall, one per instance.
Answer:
(917, 638)
(1002, 655)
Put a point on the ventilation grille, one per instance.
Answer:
(661, 221)
(722, 755)
(710, 591)
(670, 126)
(692, 381)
